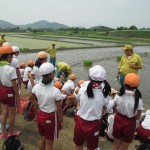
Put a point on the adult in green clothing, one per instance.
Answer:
(2, 40)
(52, 51)
(64, 69)
(130, 63)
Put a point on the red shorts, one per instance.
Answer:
(7, 96)
(86, 131)
(48, 125)
(144, 134)
(124, 127)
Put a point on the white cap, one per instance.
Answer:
(97, 73)
(15, 48)
(6, 44)
(46, 68)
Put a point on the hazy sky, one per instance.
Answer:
(81, 13)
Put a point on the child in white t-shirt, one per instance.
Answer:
(50, 116)
(9, 96)
(143, 130)
(22, 68)
(69, 86)
(27, 72)
(92, 97)
(129, 106)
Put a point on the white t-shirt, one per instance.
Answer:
(146, 123)
(15, 62)
(46, 95)
(26, 73)
(125, 104)
(36, 74)
(110, 126)
(7, 73)
(90, 109)
(21, 72)
(68, 86)
(111, 104)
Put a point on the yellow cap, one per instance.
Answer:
(127, 47)
(2, 34)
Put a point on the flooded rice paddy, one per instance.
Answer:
(106, 57)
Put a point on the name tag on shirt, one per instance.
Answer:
(10, 95)
(48, 121)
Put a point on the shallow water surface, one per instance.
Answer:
(106, 57)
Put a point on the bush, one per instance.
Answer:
(87, 63)
(24, 49)
(119, 58)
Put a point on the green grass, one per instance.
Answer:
(39, 44)
(87, 63)
(119, 58)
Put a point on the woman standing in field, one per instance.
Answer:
(92, 96)
(50, 116)
(9, 95)
(129, 106)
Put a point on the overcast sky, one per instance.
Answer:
(78, 13)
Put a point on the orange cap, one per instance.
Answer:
(42, 54)
(6, 50)
(30, 62)
(80, 82)
(132, 80)
(72, 77)
(58, 84)
(22, 64)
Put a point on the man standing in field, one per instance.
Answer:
(52, 51)
(2, 40)
(130, 63)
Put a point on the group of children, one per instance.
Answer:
(51, 98)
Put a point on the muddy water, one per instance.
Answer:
(106, 57)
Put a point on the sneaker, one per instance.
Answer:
(14, 133)
(98, 148)
(136, 137)
(7, 127)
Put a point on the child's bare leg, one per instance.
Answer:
(4, 109)
(49, 144)
(11, 118)
(116, 145)
(124, 146)
(42, 142)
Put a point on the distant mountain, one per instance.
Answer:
(44, 24)
(36, 25)
(5, 24)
